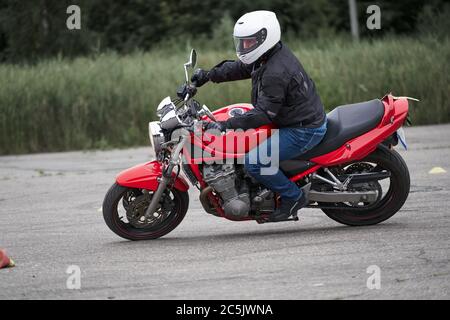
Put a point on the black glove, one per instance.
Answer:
(219, 125)
(200, 77)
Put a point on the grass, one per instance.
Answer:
(107, 100)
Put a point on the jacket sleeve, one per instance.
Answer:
(229, 71)
(271, 96)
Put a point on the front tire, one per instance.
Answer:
(131, 230)
(391, 203)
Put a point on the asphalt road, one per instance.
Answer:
(50, 219)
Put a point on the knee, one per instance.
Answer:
(251, 168)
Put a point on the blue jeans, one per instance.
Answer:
(292, 142)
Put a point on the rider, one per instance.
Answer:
(282, 94)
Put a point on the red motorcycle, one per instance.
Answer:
(354, 175)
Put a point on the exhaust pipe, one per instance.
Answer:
(343, 196)
(204, 200)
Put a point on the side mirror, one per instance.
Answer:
(193, 58)
(191, 63)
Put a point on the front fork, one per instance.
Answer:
(166, 176)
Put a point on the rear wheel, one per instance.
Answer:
(124, 212)
(392, 192)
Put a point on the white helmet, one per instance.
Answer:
(254, 34)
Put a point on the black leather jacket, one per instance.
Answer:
(282, 91)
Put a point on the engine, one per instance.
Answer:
(234, 192)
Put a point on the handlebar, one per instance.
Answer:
(187, 91)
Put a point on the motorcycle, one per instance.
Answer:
(354, 175)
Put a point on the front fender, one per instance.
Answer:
(145, 175)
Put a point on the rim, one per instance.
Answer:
(384, 188)
(130, 209)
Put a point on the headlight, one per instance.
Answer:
(166, 111)
(156, 136)
(170, 120)
(163, 105)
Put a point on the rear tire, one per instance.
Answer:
(127, 230)
(395, 198)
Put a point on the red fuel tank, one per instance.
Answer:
(232, 144)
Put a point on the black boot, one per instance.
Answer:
(288, 208)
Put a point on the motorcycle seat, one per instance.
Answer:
(345, 123)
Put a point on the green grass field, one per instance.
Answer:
(107, 100)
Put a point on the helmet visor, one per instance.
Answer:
(249, 43)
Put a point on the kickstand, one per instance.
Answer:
(266, 220)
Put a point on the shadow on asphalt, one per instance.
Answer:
(256, 235)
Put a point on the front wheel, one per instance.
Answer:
(392, 193)
(124, 212)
